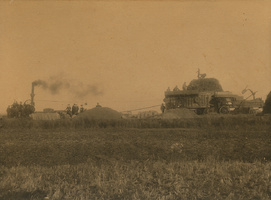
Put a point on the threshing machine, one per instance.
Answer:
(191, 99)
(217, 102)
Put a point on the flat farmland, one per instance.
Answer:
(134, 163)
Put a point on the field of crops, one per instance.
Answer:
(206, 158)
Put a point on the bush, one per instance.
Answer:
(221, 122)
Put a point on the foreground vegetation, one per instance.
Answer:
(233, 122)
(137, 180)
(213, 161)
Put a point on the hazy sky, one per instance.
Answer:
(124, 55)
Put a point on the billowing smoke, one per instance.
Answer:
(40, 83)
(57, 84)
(88, 90)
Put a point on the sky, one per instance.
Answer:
(125, 54)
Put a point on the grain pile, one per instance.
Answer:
(100, 113)
(205, 84)
(179, 114)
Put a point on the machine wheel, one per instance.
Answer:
(195, 111)
(197, 99)
(224, 110)
(252, 112)
(206, 111)
(181, 103)
(28, 101)
(200, 111)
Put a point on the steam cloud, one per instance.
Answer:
(56, 84)
(40, 83)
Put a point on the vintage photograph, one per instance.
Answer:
(135, 100)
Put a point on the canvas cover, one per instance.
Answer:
(146, 114)
(45, 116)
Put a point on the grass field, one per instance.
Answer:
(149, 159)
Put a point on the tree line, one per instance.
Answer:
(17, 110)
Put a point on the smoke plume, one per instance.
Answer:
(40, 83)
(87, 90)
(56, 85)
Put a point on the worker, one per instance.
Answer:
(26, 111)
(176, 89)
(81, 109)
(75, 109)
(69, 110)
(20, 109)
(184, 86)
(98, 105)
(162, 108)
(8, 112)
(15, 109)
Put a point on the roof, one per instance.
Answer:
(226, 94)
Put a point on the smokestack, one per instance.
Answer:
(32, 94)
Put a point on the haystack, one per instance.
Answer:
(205, 84)
(180, 113)
(100, 113)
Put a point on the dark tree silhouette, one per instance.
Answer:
(267, 104)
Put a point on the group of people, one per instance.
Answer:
(163, 107)
(177, 89)
(74, 110)
(17, 110)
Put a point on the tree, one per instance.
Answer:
(267, 104)
(19, 110)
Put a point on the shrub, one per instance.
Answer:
(219, 121)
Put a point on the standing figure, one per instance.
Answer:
(81, 109)
(200, 75)
(184, 86)
(8, 112)
(69, 112)
(15, 109)
(162, 108)
(75, 109)
(20, 109)
(176, 89)
(98, 105)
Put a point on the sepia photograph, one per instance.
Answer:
(135, 99)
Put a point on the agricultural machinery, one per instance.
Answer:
(216, 102)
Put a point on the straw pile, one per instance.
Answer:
(100, 113)
(205, 84)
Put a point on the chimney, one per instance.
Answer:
(32, 95)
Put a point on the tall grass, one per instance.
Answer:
(54, 147)
(137, 180)
(218, 122)
(116, 163)
(225, 157)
